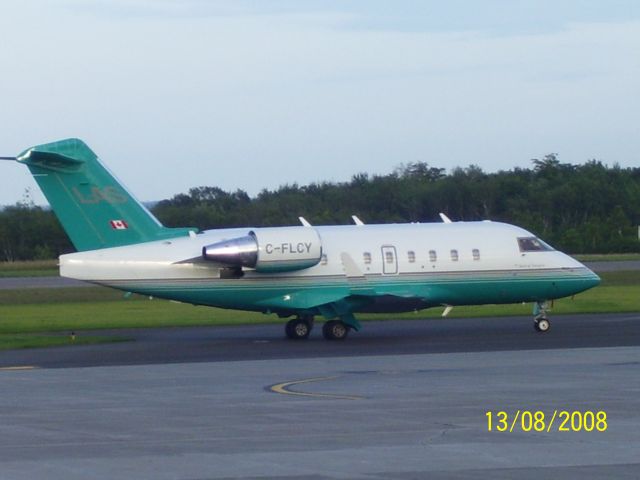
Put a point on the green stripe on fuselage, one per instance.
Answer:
(303, 292)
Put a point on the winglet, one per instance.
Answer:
(444, 218)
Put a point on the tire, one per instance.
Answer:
(335, 330)
(297, 329)
(542, 325)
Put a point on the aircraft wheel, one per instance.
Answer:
(542, 325)
(335, 330)
(297, 329)
(309, 319)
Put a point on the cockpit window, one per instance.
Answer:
(533, 244)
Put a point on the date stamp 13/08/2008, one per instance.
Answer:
(539, 421)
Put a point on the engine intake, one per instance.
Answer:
(279, 249)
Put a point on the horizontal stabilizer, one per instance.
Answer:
(50, 161)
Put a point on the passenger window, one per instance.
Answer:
(411, 255)
(366, 257)
(533, 244)
(388, 257)
(433, 256)
(323, 260)
(476, 254)
(454, 255)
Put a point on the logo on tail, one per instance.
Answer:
(96, 195)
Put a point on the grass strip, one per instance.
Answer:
(606, 257)
(20, 341)
(34, 268)
(37, 296)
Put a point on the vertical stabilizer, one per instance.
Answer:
(94, 208)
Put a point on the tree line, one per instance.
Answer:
(589, 208)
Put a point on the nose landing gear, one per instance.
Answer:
(541, 322)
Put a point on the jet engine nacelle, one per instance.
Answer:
(280, 249)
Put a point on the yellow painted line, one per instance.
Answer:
(19, 367)
(284, 389)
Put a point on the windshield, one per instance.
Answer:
(533, 244)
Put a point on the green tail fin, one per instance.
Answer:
(95, 210)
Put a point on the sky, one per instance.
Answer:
(173, 94)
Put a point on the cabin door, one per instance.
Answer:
(389, 260)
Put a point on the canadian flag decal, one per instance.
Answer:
(119, 224)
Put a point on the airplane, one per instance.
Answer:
(301, 271)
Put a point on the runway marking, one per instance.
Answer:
(284, 389)
(18, 367)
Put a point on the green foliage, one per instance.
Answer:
(590, 208)
(29, 232)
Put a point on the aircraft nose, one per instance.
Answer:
(593, 279)
(585, 278)
(590, 278)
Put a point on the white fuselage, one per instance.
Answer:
(414, 265)
(410, 244)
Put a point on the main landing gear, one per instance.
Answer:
(541, 322)
(335, 330)
(300, 327)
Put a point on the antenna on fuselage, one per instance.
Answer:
(444, 218)
(304, 222)
(357, 221)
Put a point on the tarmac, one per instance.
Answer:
(15, 283)
(400, 400)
